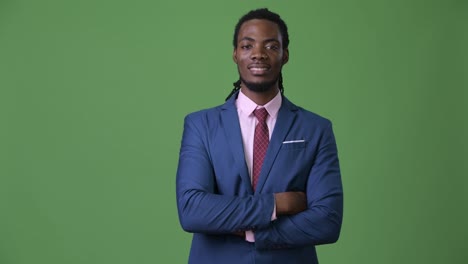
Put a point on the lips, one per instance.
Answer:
(258, 69)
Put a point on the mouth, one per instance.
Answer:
(258, 69)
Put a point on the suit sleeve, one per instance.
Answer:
(321, 222)
(201, 209)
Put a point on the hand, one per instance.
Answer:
(290, 203)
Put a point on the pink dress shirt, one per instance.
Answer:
(247, 120)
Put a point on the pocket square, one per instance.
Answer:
(293, 141)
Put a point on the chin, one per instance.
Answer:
(261, 86)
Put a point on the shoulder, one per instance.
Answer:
(212, 113)
(206, 122)
(203, 114)
(305, 116)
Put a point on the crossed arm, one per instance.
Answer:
(313, 217)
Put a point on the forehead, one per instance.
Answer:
(259, 29)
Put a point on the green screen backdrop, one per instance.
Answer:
(93, 96)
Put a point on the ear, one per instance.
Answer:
(234, 56)
(285, 56)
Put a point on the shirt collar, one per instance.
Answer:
(247, 106)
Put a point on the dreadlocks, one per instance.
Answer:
(262, 13)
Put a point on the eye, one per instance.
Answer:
(246, 47)
(272, 47)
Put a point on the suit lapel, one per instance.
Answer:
(284, 121)
(231, 126)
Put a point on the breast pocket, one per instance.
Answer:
(294, 144)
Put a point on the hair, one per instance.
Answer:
(262, 13)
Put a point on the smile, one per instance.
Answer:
(259, 69)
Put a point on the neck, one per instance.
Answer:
(260, 98)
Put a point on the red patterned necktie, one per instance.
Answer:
(261, 140)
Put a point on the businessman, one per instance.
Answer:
(258, 179)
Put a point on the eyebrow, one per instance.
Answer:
(266, 40)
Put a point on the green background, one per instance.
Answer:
(93, 96)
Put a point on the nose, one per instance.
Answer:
(258, 53)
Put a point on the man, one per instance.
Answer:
(258, 179)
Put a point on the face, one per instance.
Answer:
(259, 55)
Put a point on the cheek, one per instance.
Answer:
(243, 55)
(242, 62)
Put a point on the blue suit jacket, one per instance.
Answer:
(215, 196)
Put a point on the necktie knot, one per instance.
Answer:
(261, 114)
